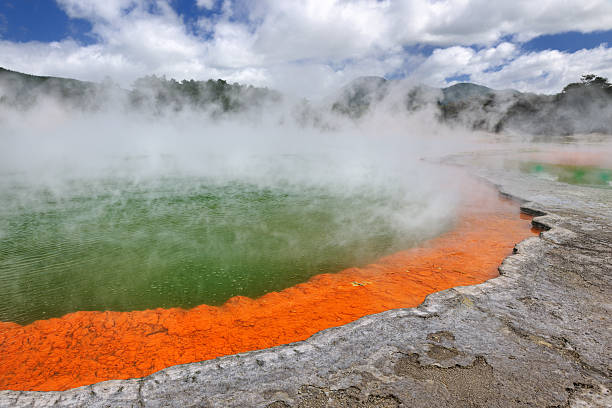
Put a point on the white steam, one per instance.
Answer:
(49, 146)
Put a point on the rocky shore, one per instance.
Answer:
(539, 335)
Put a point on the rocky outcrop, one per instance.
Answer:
(536, 336)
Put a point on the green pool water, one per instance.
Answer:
(571, 174)
(121, 244)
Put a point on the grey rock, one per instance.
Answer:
(539, 335)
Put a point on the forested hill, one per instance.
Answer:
(160, 93)
(581, 107)
(154, 93)
(23, 90)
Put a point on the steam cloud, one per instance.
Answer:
(59, 144)
(48, 135)
(94, 153)
(370, 133)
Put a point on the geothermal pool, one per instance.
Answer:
(181, 242)
(589, 175)
(114, 279)
(124, 245)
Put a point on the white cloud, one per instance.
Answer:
(96, 9)
(342, 27)
(548, 71)
(205, 4)
(306, 46)
(502, 67)
(458, 60)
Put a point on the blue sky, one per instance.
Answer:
(267, 43)
(46, 21)
(570, 41)
(39, 20)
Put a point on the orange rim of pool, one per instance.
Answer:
(87, 347)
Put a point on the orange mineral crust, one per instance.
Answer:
(87, 347)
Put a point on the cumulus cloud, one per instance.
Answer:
(95, 9)
(206, 4)
(548, 71)
(308, 46)
(504, 67)
(458, 60)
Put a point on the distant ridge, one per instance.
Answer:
(39, 78)
(22, 90)
(581, 107)
(465, 90)
(355, 98)
(154, 93)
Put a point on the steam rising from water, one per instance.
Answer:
(78, 180)
(50, 145)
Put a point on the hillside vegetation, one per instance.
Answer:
(159, 94)
(581, 107)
